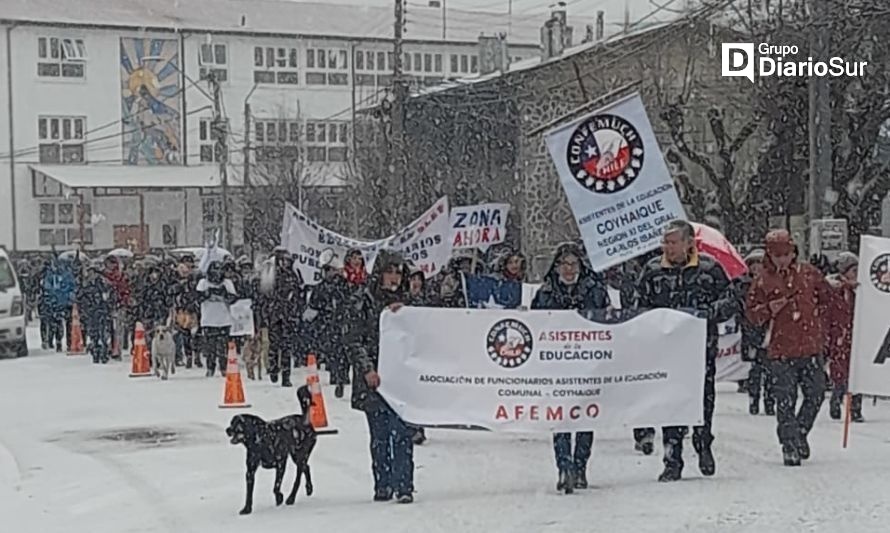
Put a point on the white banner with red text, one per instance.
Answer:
(426, 242)
(542, 371)
(478, 226)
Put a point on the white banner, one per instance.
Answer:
(616, 181)
(478, 226)
(730, 366)
(426, 242)
(542, 371)
(242, 319)
(870, 358)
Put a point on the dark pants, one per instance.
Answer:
(52, 326)
(702, 436)
(183, 340)
(759, 379)
(281, 345)
(576, 462)
(100, 334)
(214, 342)
(392, 452)
(838, 392)
(338, 365)
(788, 375)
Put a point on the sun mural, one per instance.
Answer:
(150, 101)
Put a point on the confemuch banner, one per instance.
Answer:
(479, 226)
(542, 371)
(870, 360)
(618, 186)
(426, 242)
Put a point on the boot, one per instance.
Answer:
(769, 407)
(856, 415)
(405, 498)
(706, 462)
(198, 362)
(754, 406)
(419, 437)
(581, 480)
(646, 445)
(566, 482)
(803, 448)
(285, 380)
(382, 495)
(673, 462)
(188, 363)
(834, 410)
(273, 377)
(790, 456)
(338, 391)
(671, 473)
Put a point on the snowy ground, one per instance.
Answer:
(57, 473)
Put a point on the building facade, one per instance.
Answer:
(138, 96)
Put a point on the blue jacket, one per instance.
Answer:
(59, 286)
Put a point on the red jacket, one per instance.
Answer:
(839, 338)
(118, 280)
(797, 329)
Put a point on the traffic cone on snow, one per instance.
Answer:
(318, 415)
(233, 396)
(75, 347)
(141, 366)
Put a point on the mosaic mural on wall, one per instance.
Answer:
(150, 101)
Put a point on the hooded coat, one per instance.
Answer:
(797, 329)
(363, 331)
(154, 300)
(586, 295)
(59, 286)
(838, 325)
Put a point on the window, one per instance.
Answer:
(407, 62)
(60, 224)
(326, 141)
(381, 57)
(277, 140)
(60, 57)
(464, 63)
(211, 150)
(437, 65)
(427, 62)
(454, 62)
(328, 67)
(275, 65)
(474, 64)
(212, 59)
(211, 216)
(169, 233)
(418, 61)
(60, 139)
(359, 61)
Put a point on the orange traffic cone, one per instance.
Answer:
(318, 415)
(75, 347)
(234, 392)
(141, 367)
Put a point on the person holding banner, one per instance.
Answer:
(329, 300)
(216, 294)
(685, 280)
(839, 333)
(570, 285)
(392, 448)
(790, 298)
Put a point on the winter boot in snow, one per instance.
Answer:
(790, 456)
(382, 495)
(754, 406)
(769, 407)
(834, 409)
(285, 380)
(646, 445)
(338, 391)
(566, 482)
(405, 498)
(803, 447)
(419, 437)
(273, 377)
(673, 462)
(581, 480)
(856, 415)
(706, 462)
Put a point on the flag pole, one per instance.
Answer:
(848, 404)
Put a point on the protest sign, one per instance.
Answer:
(870, 358)
(542, 371)
(618, 186)
(730, 365)
(242, 319)
(478, 226)
(426, 242)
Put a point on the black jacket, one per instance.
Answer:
(753, 336)
(587, 295)
(154, 302)
(701, 286)
(287, 302)
(363, 328)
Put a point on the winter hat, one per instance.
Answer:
(779, 242)
(755, 256)
(846, 261)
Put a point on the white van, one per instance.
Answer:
(13, 339)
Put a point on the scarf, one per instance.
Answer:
(355, 276)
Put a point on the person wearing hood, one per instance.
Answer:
(839, 335)
(753, 350)
(59, 288)
(790, 299)
(154, 306)
(215, 294)
(354, 269)
(450, 284)
(509, 265)
(392, 448)
(683, 279)
(329, 300)
(570, 284)
(98, 301)
(114, 274)
(285, 308)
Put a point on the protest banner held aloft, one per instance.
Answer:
(618, 186)
(870, 358)
(479, 226)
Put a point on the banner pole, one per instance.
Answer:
(848, 404)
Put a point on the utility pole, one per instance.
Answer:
(248, 194)
(400, 91)
(444, 18)
(819, 116)
(222, 148)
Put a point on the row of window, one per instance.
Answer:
(60, 224)
(66, 58)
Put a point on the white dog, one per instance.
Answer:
(163, 351)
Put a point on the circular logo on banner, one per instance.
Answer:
(509, 343)
(880, 273)
(605, 154)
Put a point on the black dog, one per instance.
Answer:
(270, 443)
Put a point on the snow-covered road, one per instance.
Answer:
(61, 469)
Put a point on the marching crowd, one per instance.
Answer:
(796, 322)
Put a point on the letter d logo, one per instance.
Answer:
(738, 60)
